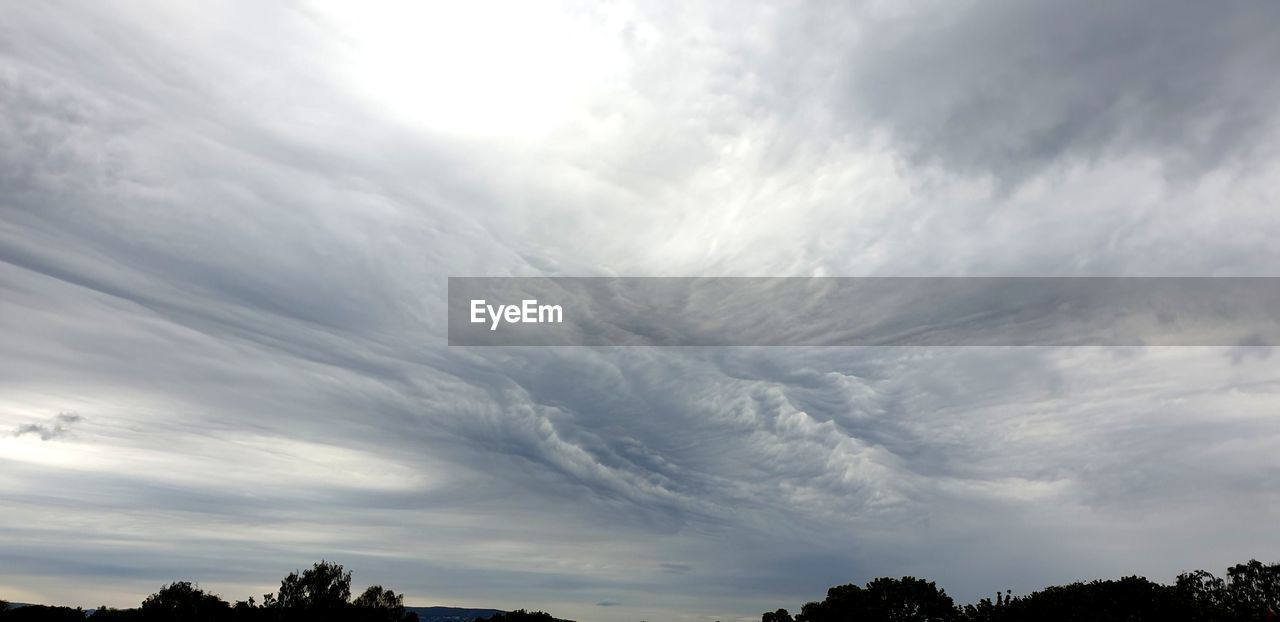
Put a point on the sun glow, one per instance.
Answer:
(487, 68)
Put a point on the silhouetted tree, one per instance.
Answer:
(378, 603)
(182, 600)
(111, 614)
(323, 587)
(984, 610)
(1253, 590)
(1124, 600)
(520, 615)
(1202, 597)
(883, 600)
(1251, 593)
(42, 613)
(781, 615)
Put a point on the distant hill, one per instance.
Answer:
(451, 614)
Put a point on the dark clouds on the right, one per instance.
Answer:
(1008, 88)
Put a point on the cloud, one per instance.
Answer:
(58, 426)
(675, 568)
(1010, 88)
(230, 258)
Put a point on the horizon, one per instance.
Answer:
(1247, 591)
(942, 589)
(228, 234)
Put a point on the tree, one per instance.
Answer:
(1202, 596)
(43, 613)
(842, 602)
(909, 600)
(520, 615)
(381, 604)
(883, 600)
(1123, 600)
(376, 597)
(781, 615)
(323, 587)
(1254, 589)
(111, 614)
(984, 611)
(182, 600)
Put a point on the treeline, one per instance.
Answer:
(1250, 593)
(321, 593)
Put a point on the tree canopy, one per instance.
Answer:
(1250, 593)
(318, 594)
(520, 615)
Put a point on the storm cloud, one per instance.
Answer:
(225, 235)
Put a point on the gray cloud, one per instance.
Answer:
(1009, 88)
(230, 258)
(58, 426)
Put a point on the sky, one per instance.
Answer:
(226, 228)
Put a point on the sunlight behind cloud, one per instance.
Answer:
(480, 69)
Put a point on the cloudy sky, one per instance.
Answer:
(225, 232)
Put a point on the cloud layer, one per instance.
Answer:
(224, 238)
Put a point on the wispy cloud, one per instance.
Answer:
(56, 427)
(228, 254)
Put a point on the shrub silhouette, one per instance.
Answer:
(182, 600)
(520, 615)
(1250, 593)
